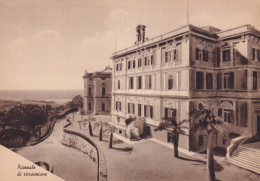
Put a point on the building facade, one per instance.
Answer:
(172, 74)
(97, 92)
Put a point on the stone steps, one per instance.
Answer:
(246, 158)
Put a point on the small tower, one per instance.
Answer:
(140, 29)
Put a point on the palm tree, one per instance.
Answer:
(177, 129)
(111, 129)
(204, 119)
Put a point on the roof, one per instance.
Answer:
(208, 31)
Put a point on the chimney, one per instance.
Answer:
(140, 29)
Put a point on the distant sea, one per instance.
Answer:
(58, 96)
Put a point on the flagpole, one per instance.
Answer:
(187, 11)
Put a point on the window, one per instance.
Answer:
(139, 62)
(258, 55)
(139, 110)
(117, 67)
(219, 80)
(103, 106)
(118, 105)
(148, 111)
(169, 137)
(148, 82)
(200, 140)
(254, 80)
(227, 115)
(198, 54)
(229, 80)
(133, 64)
(89, 91)
(170, 112)
(145, 61)
(253, 54)
(103, 78)
(139, 82)
(89, 106)
(131, 82)
(220, 112)
(170, 82)
(205, 55)
(131, 108)
(103, 91)
(224, 141)
(226, 55)
(167, 56)
(120, 66)
(209, 81)
(129, 65)
(118, 84)
(199, 80)
(152, 60)
(175, 52)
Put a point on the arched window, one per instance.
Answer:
(170, 82)
(118, 84)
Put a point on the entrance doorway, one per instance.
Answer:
(258, 125)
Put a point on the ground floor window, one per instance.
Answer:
(227, 115)
(148, 111)
(169, 137)
(103, 106)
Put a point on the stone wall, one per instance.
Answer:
(86, 145)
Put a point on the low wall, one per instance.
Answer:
(83, 143)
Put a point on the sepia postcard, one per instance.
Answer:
(128, 90)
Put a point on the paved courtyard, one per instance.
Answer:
(146, 160)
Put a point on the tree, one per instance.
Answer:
(89, 120)
(177, 129)
(204, 119)
(100, 124)
(110, 129)
(77, 101)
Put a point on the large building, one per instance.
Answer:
(97, 92)
(173, 73)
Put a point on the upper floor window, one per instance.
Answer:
(128, 64)
(198, 54)
(103, 91)
(131, 82)
(209, 81)
(139, 62)
(149, 60)
(139, 82)
(199, 80)
(148, 82)
(254, 80)
(170, 82)
(219, 81)
(255, 55)
(226, 55)
(202, 55)
(89, 106)
(133, 64)
(89, 91)
(229, 80)
(118, 84)
(167, 56)
(118, 66)
(171, 55)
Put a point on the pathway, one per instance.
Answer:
(68, 163)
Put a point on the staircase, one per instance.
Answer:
(247, 158)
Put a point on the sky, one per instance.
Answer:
(48, 44)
